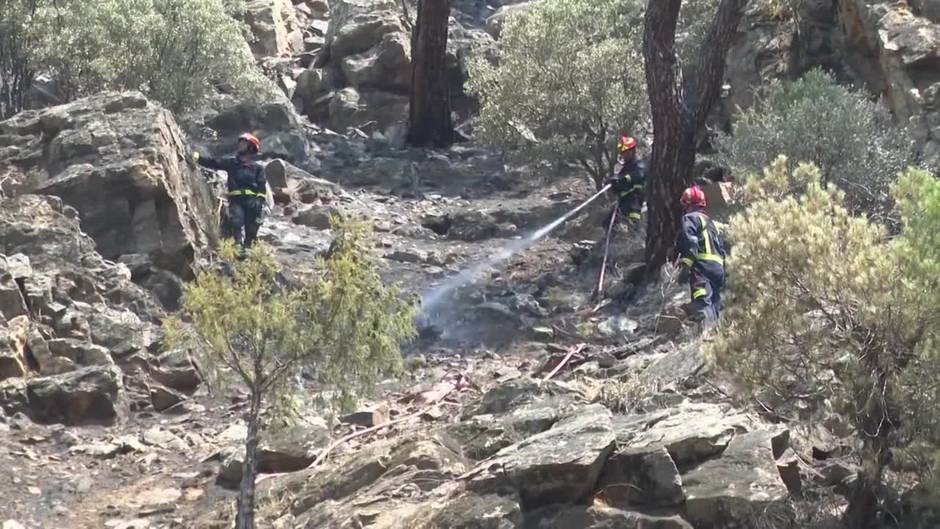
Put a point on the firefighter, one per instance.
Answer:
(630, 181)
(247, 188)
(701, 250)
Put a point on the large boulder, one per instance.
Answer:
(560, 465)
(274, 28)
(742, 488)
(121, 162)
(91, 395)
(367, 110)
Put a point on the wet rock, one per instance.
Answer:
(740, 487)
(163, 398)
(89, 395)
(561, 465)
(642, 477)
(155, 204)
(368, 418)
(285, 451)
(185, 379)
(413, 255)
(319, 217)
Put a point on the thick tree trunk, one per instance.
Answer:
(429, 121)
(245, 518)
(679, 108)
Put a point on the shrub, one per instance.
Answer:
(569, 79)
(852, 140)
(340, 329)
(174, 51)
(828, 314)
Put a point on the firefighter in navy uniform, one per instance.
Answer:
(630, 181)
(701, 250)
(247, 188)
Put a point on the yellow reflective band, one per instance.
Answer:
(710, 257)
(625, 193)
(699, 293)
(635, 216)
(687, 261)
(244, 192)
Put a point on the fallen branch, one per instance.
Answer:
(322, 455)
(564, 361)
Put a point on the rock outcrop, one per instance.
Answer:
(69, 317)
(121, 162)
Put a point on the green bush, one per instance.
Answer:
(332, 337)
(175, 51)
(828, 314)
(851, 139)
(569, 79)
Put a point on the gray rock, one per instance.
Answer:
(274, 26)
(318, 217)
(90, 395)
(385, 66)
(561, 465)
(12, 302)
(691, 433)
(570, 517)
(740, 488)
(81, 352)
(478, 512)
(368, 110)
(163, 398)
(285, 451)
(641, 477)
(121, 331)
(156, 204)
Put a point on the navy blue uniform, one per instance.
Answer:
(630, 186)
(247, 187)
(700, 248)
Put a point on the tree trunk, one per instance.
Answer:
(863, 504)
(429, 121)
(245, 518)
(679, 108)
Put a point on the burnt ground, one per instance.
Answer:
(159, 470)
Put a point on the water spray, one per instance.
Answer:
(433, 298)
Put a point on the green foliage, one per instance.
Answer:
(16, 42)
(828, 312)
(342, 328)
(852, 140)
(570, 78)
(175, 51)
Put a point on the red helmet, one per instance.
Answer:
(693, 197)
(625, 144)
(252, 140)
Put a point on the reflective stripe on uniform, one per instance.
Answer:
(635, 216)
(687, 261)
(625, 193)
(245, 193)
(708, 255)
(699, 293)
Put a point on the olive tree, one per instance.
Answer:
(829, 314)
(341, 328)
(569, 79)
(851, 139)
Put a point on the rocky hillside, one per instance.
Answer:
(525, 405)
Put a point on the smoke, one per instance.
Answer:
(432, 300)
